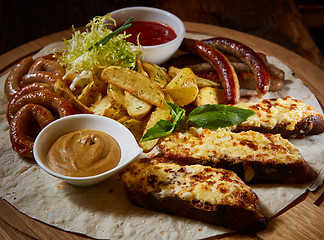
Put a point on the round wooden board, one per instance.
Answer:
(294, 223)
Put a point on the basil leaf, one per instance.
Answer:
(161, 129)
(218, 116)
(175, 109)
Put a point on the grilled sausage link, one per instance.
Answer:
(41, 77)
(46, 98)
(12, 84)
(247, 55)
(47, 65)
(21, 142)
(220, 63)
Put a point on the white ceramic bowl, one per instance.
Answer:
(128, 145)
(159, 53)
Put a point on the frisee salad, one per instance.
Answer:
(82, 58)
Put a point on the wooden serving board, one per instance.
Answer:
(303, 219)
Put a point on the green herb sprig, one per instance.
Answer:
(105, 39)
(206, 116)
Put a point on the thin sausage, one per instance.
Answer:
(247, 55)
(12, 83)
(35, 86)
(20, 141)
(42, 77)
(220, 63)
(46, 98)
(52, 66)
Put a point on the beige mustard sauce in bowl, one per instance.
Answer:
(85, 149)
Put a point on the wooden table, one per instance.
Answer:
(304, 219)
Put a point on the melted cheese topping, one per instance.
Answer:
(215, 146)
(282, 111)
(195, 183)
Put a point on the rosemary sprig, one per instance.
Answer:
(105, 39)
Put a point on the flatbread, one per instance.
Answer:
(103, 211)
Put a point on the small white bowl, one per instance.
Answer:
(157, 54)
(128, 145)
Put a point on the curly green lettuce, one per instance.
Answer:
(81, 57)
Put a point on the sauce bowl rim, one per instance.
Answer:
(44, 132)
(179, 36)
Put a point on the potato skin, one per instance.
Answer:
(233, 217)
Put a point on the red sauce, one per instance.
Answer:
(151, 33)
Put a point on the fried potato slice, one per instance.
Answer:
(117, 95)
(135, 83)
(136, 107)
(100, 107)
(209, 95)
(139, 68)
(63, 90)
(135, 126)
(90, 94)
(105, 107)
(158, 114)
(183, 87)
(201, 82)
(156, 73)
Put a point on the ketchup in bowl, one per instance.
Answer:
(151, 33)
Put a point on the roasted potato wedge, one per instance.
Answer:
(158, 114)
(201, 82)
(156, 73)
(100, 107)
(135, 83)
(63, 90)
(135, 126)
(90, 94)
(117, 95)
(140, 69)
(209, 95)
(183, 87)
(136, 107)
(105, 107)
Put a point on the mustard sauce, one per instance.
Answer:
(84, 153)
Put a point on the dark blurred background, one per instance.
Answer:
(295, 24)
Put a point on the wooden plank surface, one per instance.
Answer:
(303, 221)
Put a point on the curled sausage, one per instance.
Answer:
(47, 65)
(45, 98)
(220, 63)
(35, 86)
(12, 83)
(42, 77)
(247, 55)
(21, 142)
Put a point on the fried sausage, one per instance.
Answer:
(21, 142)
(222, 66)
(12, 83)
(47, 65)
(35, 86)
(42, 76)
(248, 56)
(46, 98)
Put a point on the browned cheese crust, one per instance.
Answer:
(211, 195)
(255, 157)
(287, 116)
